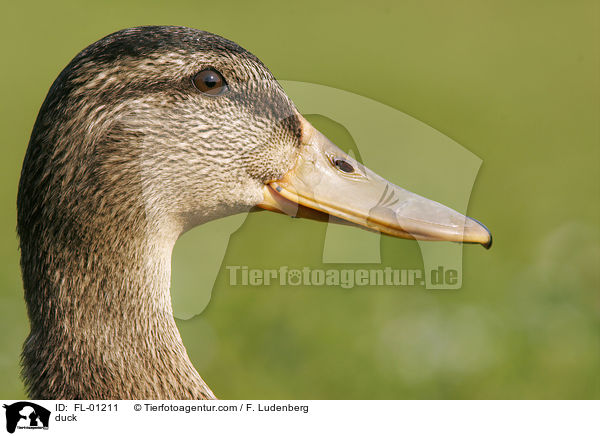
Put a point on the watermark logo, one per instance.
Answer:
(241, 275)
(25, 415)
(411, 154)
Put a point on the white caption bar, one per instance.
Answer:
(298, 417)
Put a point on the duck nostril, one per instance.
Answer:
(343, 165)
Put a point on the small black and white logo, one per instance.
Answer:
(26, 415)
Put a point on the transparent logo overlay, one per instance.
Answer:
(403, 150)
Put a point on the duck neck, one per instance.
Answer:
(102, 325)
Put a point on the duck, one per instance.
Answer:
(145, 134)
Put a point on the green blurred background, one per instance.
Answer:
(516, 83)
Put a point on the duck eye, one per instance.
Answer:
(343, 165)
(210, 82)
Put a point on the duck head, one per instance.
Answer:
(181, 126)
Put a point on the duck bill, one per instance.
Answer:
(326, 182)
